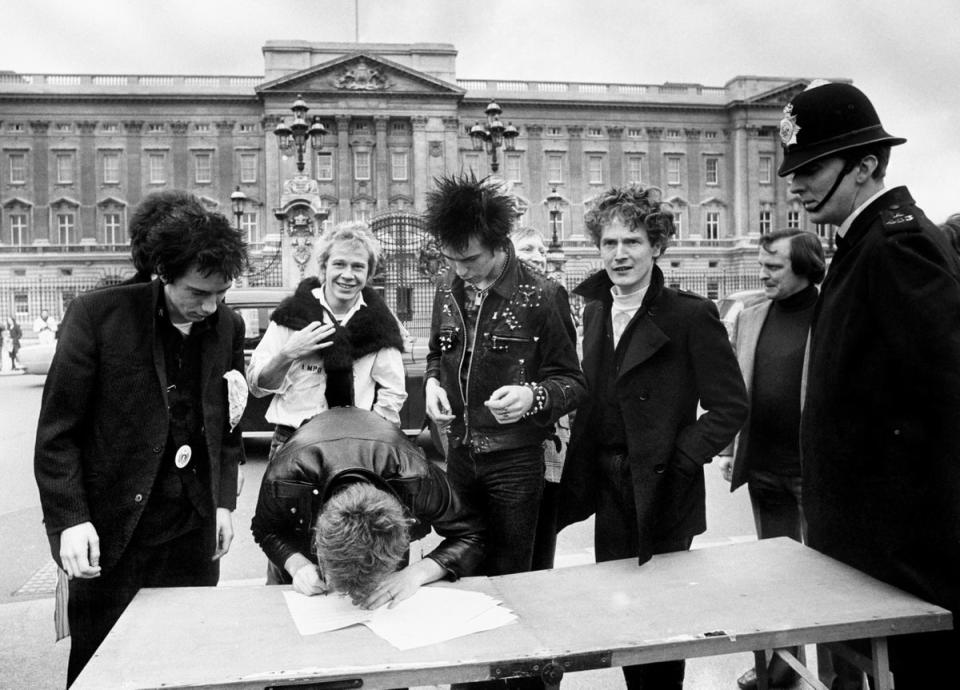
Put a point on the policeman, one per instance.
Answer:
(880, 432)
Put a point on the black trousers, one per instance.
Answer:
(96, 604)
(615, 537)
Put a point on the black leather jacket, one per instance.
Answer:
(524, 334)
(347, 442)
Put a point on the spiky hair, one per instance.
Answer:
(462, 206)
(169, 205)
(360, 536)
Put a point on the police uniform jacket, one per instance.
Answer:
(104, 418)
(673, 354)
(524, 334)
(880, 432)
(347, 443)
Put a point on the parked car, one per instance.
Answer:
(736, 302)
(36, 358)
(255, 306)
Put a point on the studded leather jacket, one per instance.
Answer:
(350, 444)
(524, 334)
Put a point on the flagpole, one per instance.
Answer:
(356, 21)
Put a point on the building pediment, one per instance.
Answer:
(17, 202)
(111, 201)
(781, 95)
(360, 73)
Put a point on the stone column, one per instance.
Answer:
(420, 162)
(41, 179)
(87, 161)
(741, 167)
(615, 134)
(656, 158)
(227, 177)
(344, 166)
(451, 145)
(181, 157)
(381, 163)
(134, 160)
(574, 226)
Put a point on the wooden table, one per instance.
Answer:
(743, 597)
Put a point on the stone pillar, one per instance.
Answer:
(182, 178)
(344, 167)
(381, 163)
(656, 158)
(134, 149)
(615, 134)
(420, 162)
(451, 145)
(574, 228)
(41, 179)
(741, 167)
(227, 177)
(537, 187)
(87, 160)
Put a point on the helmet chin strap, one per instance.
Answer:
(847, 167)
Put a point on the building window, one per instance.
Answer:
(64, 127)
(15, 127)
(66, 228)
(765, 170)
(248, 168)
(634, 132)
(324, 167)
(823, 231)
(361, 165)
(634, 169)
(203, 163)
(111, 168)
(361, 127)
(249, 227)
(555, 167)
(511, 164)
(64, 168)
(765, 221)
(18, 229)
(594, 132)
(202, 127)
(793, 220)
(595, 169)
(712, 170)
(678, 224)
(712, 228)
(158, 168)
(554, 131)
(155, 127)
(247, 128)
(398, 166)
(710, 134)
(673, 170)
(112, 229)
(673, 134)
(18, 168)
(108, 127)
(398, 127)
(471, 161)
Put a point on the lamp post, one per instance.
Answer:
(239, 202)
(295, 136)
(556, 257)
(493, 135)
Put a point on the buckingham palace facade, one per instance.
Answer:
(79, 151)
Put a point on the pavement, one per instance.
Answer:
(30, 657)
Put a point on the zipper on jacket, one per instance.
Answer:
(463, 354)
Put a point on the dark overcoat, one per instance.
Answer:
(674, 354)
(104, 416)
(880, 433)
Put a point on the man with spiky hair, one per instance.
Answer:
(156, 210)
(137, 444)
(502, 366)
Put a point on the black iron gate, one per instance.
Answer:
(407, 275)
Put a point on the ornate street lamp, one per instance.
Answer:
(239, 201)
(294, 137)
(493, 135)
(554, 201)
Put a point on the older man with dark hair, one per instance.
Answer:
(770, 339)
(137, 444)
(502, 366)
(651, 354)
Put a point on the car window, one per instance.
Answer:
(256, 319)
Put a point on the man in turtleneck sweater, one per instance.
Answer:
(770, 339)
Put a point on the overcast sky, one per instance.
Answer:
(904, 55)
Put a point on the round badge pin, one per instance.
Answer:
(182, 458)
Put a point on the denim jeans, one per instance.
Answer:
(505, 487)
(777, 507)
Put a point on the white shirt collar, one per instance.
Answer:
(842, 230)
(318, 293)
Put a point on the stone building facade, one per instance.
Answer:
(78, 152)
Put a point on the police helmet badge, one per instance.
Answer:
(788, 126)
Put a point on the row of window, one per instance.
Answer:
(632, 132)
(113, 127)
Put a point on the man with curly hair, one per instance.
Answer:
(651, 354)
(502, 364)
(368, 491)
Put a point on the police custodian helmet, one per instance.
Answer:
(825, 119)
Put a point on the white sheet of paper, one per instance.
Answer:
(323, 612)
